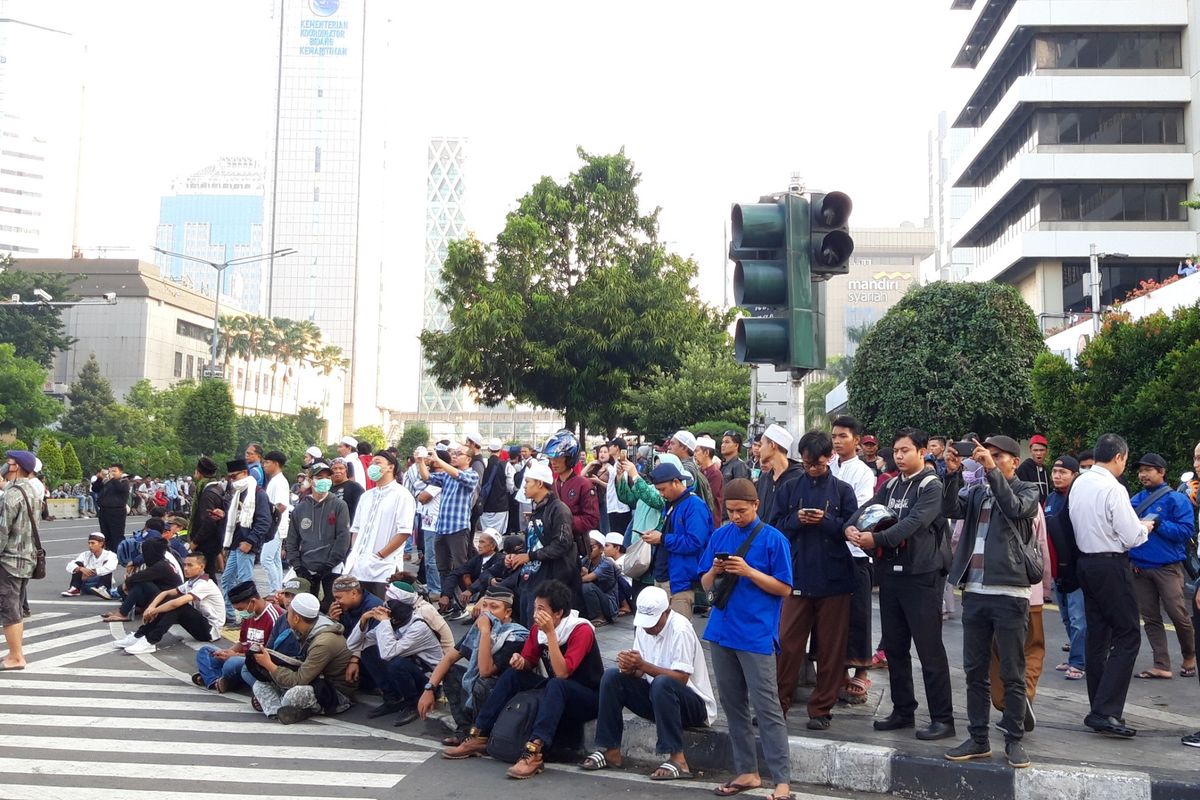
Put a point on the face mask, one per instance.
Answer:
(374, 472)
(323, 485)
(243, 616)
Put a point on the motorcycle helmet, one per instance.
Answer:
(875, 519)
(562, 445)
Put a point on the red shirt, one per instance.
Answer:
(257, 630)
(579, 644)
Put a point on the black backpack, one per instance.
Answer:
(514, 728)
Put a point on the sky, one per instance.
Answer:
(715, 102)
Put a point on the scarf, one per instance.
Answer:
(241, 508)
(501, 634)
(563, 630)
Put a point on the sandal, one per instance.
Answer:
(673, 772)
(596, 761)
(730, 788)
(1187, 672)
(1073, 674)
(855, 691)
(1063, 667)
(257, 706)
(879, 660)
(221, 686)
(198, 679)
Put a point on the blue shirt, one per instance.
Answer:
(256, 472)
(454, 513)
(750, 621)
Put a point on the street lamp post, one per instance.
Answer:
(220, 268)
(1094, 278)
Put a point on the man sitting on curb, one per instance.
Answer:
(317, 685)
(197, 605)
(663, 678)
(224, 670)
(565, 645)
(282, 638)
(92, 570)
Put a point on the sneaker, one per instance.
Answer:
(290, 715)
(968, 750)
(125, 641)
(1015, 754)
(101, 591)
(407, 714)
(458, 616)
(1191, 740)
(140, 646)
(72, 592)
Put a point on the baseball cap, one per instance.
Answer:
(1067, 462)
(651, 603)
(869, 439)
(1152, 460)
(665, 473)
(1005, 444)
(320, 466)
(1037, 438)
(296, 586)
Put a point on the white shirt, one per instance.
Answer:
(207, 599)
(382, 513)
(279, 491)
(104, 563)
(1103, 519)
(678, 648)
(861, 478)
(611, 501)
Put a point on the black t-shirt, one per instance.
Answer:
(348, 492)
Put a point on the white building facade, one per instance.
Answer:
(1082, 132)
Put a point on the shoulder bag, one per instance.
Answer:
(723, 588)
(39, 553)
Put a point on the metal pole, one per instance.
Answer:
(1094, 259)
(216, 319)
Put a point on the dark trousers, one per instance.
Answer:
(450, 551)
(187, 616)
(457, 697)
(401, 679)
(802, 616)
(597, 602)
(672, 705)
(1114, 633)
(87, 584)
(910, 612)
(140, 595)
(618, 521)
(112, 525)
(1004, 621)
(564, 702)
(322, 585)
(858, 640)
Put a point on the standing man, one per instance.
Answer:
(113, 503)
(493, 492)
(576, 491)
(347, 450)
(777, 468)
(619, 513)
(1064, 563)
(710, 467)
(457, 481)
(909, 560)
(1106, 529)
(1033, 469)
(172, 491)
(684, 534)
(254, 457)
(346, 488)
(1158, 576)
(683, 446)
(279, 492)
(381, 526)
(247, 518)
(732, 465)
(870, 454)
(989, 564)
(206, 532)
(17, 556)
(320, 535)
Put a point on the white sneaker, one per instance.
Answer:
(140, 646)
(101, 591)
(72, 592)
(124, 641)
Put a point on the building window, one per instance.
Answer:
(191, 367)
(1113, 202)
(1109, 126)
(316, 194)
(192, 330)
(317, 158)
(178, 365)
(1109, 50)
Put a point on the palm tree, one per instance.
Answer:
(329, 358)
(301, 338)
(257, 332)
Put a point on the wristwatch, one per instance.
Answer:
(429, 687)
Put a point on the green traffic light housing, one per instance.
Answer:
(831, 242)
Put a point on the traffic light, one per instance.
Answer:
(783, 249)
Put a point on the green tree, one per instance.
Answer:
(416, 434)
(949, 357)
(274, 433)
(708, 384)
(576, 302)
(311, 424)
(52, 461)
(207, 420)
(92, 401)
(36, 332)
(22, 399)
(1060, 419)
(72, 469)
(815, 393)
(373, 434)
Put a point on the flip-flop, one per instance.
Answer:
(6, 668)
(595, 761)
(1147, 675)
(730, 788)
(1187, 672)
(198, 679)
(673, 770)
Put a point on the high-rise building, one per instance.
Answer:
(216, 214)
(41, 106)
(1083, 135)
(445, 221)
(947, 204)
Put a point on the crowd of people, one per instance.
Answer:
(370, 556)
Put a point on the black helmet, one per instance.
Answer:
(875, 519)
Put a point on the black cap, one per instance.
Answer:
(1153, 460)
(1067, 462)
(276, 456)
(1005, 444)
(244, 591)
(206, 467)
(236, 465)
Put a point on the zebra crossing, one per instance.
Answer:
(87, 721)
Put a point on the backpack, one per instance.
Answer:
(514, 727)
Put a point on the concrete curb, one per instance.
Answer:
(869, 768)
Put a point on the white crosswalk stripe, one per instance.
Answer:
(76, 712)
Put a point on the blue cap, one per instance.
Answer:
(665, 473)
(25, 460)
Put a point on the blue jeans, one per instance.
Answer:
(672, 705)
(139, 595)
(1070, 607)
(563, 701)
(272, 561)
(239, 567)
(233, 669)
(401, 680)
(433, 580)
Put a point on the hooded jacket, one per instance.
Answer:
(323, 653)
(1015, 505)
(551, 546)
(319, 534)
(822, 565)
(768, 487)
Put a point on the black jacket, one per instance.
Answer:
(918, 543)
(821, 562)
(206, 533)
(1030, 472)
(477, 574)
(496, 499)
(1061, 533)
(768, 487)
(558, 557)
(349, 491)
(114, 493)
(1010, 526)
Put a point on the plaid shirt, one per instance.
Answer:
(16, 529)
(458, 495)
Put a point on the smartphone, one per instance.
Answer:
(721, 556)
(964, 449)
(812, 511)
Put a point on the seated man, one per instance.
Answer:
(317, 684)
(599, 576)
(566, 646)
(129, 551)
(468, 581)
(92, 570)
(663, 678)
(351, 603)
(156, 575)
(197, 605)
(225, 669)
(614, 548)
(175, 528)
(282, 638)
(467, 687)
(398, 652)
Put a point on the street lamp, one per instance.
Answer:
(1094, 279)
(220, 268)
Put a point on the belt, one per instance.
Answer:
(1104, 555)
